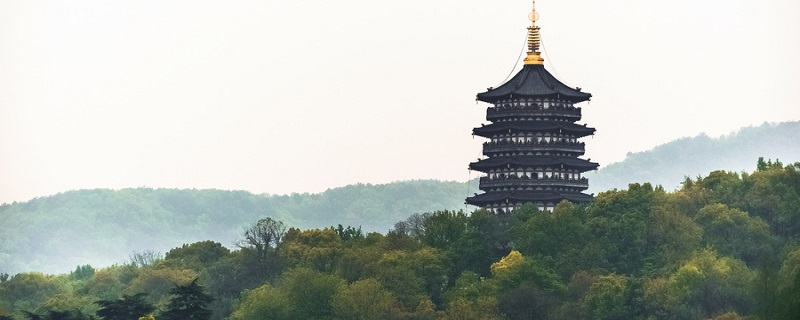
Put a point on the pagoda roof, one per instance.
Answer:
(532, 161)
(526, 196)
(533, 81)
(528, 126)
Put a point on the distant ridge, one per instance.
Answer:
(668, 164)
(56, 233)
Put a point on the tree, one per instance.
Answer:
(57, 315)
(789, 288)
(128, 307)
(443, 228)
(188, 302)
(198, 255)
(364, 300)
(28, 291)
(145, 258)
(733, 232)
(313, 248)
(82, 272)
(264, 302)
(309, 293)
(349, 234)
(265, 237)
(706, 285)
(607, 299)
(515, 269)
(559, 237)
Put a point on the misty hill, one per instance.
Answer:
(668, 164)
(56, 233)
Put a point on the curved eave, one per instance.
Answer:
(515, 197)
(529, 126)
(532, 161)
(533, 81)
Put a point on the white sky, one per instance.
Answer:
(283, 96)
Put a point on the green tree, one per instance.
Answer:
(514, 270)
(788, 290)
(607, 299)
(483, 242)
(29, 291)
(733, 232)
(364, 300)
(264, 302)
(82, 272)
(559, 237)
(198, 255)
(412, 276)
(706, 285)
(313, 248)
(127, 307)
(188, 302)
(310, 293)
(618, 228)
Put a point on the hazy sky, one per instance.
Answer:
(279, 96)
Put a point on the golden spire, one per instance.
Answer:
(534, 56)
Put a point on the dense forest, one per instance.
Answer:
(723, 246)
(667, 164)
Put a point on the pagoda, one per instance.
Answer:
(533, 152)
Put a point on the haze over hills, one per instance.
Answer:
(56, 233)
(668, 164)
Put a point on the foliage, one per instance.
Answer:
(264, 302)
(364, 300)
(188, 302)
(128, 307)
(666, 164)
(724, 246)
(142, 219)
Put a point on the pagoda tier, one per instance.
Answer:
(533, 126)
(534, 82)
(535, 161)
(506, 201)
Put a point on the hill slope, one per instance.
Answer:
(669, 163)
(56, 233)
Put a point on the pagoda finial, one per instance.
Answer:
(534, 40)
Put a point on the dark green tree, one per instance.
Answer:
(128, 307)
(188, 302)
(82, 272)
(56, 315)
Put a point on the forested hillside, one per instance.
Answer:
(668, 164)
(725, 246)
(55, 233)
(101, 227)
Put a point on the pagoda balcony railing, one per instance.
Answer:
(525, 180)
(502, 146)
(497, 112)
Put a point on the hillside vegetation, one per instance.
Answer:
(668, 164)
(101, 227)
(724, 246)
